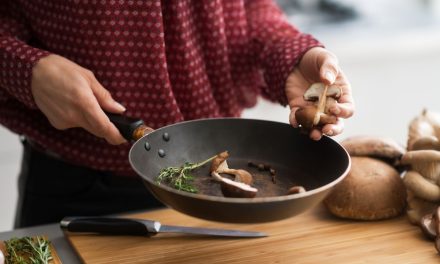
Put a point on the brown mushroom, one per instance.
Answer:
(427, 142)
(236, 189)
(428, 226)
(296, 189)
(372, 190)
(427, 124)
(318, 113)
(425, 162)
(217, 163)
(383, 148)
(423, 188)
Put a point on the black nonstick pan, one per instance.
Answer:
(297, 160)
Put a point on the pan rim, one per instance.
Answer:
(240, 200)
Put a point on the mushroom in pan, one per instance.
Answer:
(236, 189)
(240, 186)
(318, 114)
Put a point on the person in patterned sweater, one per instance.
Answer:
(63, 63)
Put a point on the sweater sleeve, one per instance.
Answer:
(277, 45)
(16, 57)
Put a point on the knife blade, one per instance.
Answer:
(143, 227)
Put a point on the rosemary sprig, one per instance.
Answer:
(28, 250)
(179, 177)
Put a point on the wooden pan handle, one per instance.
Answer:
(130, 128)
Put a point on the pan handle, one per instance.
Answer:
(130, 128)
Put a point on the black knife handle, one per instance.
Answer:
(130, 128)
(110, 226)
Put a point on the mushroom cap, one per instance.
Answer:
(305, 116)
(372, 190)
(427, 142)
(416, 156)
(316, 90)
(424, 125)
(373, 146)
(425, 162)
(427, 225)
(232, 188)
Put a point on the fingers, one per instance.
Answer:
(97, 123)
(329, 130)
(329, 68)
(104, 97)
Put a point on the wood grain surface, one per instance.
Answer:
(313, 237)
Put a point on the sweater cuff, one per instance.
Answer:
(280, 60)
(16, 62)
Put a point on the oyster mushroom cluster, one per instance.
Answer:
(422, 179)
(240, 187)
(318, 114)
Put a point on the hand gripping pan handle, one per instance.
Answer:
(130, 128)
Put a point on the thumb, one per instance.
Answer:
(329, 69)
(105, 99)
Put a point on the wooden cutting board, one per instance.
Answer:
(313, 237)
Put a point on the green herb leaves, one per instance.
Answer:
(28, 250)
(179, 177)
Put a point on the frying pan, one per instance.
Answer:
(297, 160)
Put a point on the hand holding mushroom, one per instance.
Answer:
(319, 66)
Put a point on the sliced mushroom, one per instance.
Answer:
(235, 189)
(218, 163)
(318, 114)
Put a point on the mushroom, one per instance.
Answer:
(296, 189)
(236, 189)
(427, 142)
(422, 181)
(430, 226)
(382, 148)
(425, 162)
(240, 187)
(217, 164)
(427, 124)
(324, 97)
(372, 190)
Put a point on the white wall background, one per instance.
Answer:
(393, 64)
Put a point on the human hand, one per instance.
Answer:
(319, 65)
(70, 96)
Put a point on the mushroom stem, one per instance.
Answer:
(321, 106)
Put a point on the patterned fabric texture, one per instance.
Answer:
(165, 61)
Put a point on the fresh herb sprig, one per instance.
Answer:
(179, 177)
(28, 250)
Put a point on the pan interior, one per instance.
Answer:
(296, 159)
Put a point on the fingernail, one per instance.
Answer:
(335, 110)
(330, 77)
(329, 133)
(120, 107)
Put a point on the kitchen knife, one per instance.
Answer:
(142, 227)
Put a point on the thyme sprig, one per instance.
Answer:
(180, 178)
(28, 250)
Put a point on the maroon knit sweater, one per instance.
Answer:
(166, 61)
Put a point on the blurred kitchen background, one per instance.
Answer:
(389, 49)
